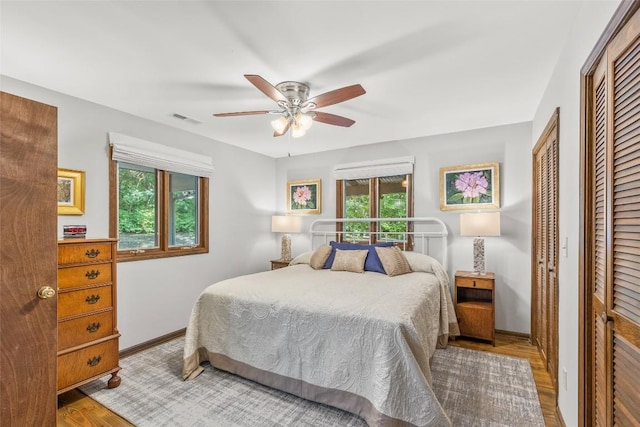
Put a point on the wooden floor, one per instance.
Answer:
(75, 409)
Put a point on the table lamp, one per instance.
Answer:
(286, 224)
(479, 225)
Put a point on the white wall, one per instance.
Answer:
(564, 91)
(155, 296)
(508, 256)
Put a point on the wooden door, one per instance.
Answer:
(28, 260)
(611, 173)
(545, 247)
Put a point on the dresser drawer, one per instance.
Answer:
(84, 329)
(84, 275)
(87, 363)
(469, 282)
(82, 253)
(84, 301)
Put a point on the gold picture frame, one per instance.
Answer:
(470, 187)
(71, 192)
(304, 197)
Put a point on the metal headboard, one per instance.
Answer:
(417, 236)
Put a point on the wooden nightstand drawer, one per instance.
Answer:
(479, 282)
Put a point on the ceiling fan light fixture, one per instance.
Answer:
(297, 131)
(280, 124)
(304, 121)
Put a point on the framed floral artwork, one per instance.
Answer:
(470, 187)
(70, 192)
(304, 197)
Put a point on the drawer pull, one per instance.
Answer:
(94, 361)
(474, 283)
(93, 327)
(92, 299)
(92, 253)
(92, 274)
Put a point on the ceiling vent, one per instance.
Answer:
(186, 119)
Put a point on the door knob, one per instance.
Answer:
(46, 292)
(605, 317)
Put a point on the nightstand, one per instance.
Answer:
(474, 302)
(278, 263)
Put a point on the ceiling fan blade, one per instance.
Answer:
(332, 119)
(242, 113)
(266, 87)
(285, 130)
(336, 96)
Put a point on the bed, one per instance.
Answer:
(361, 342)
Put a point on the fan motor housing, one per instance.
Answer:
(296, 92)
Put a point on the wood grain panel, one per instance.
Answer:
(28, 227)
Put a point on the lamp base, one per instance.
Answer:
(286, 248)
(478, 256)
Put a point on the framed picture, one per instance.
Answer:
(304, 197)
(470, 187)
(70, 192)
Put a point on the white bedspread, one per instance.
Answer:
(365, 335)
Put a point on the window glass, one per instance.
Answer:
(379, 197)
(138, 207)
(183, 210)
(392, 193)
(357, 205)
(157, 213)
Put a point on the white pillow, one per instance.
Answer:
(303, 258)
(421, 262)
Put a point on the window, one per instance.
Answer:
(381, 197)
(156, 212)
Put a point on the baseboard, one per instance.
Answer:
(152, 343)
(559, 420)
(512, 333)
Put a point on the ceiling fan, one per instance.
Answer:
(296, 110)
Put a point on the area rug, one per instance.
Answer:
(475, 389)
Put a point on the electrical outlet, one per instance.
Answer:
(564, 378)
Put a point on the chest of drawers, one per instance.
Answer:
(87, 329)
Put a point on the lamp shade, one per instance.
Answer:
(286, 224)
(480, 224)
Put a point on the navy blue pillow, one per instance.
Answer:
(371, 263)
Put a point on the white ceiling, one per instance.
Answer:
(429, 67)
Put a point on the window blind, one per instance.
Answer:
(145, 153)
(375, 168)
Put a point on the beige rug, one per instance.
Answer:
(474, 388)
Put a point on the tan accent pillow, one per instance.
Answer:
(320, 256)
(349, 260)
(393, 261)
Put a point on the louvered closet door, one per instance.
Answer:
(616, 293)
(541, 253)
(600, 326)
(552, 253)
(624, 301)
(545, 293)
